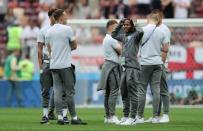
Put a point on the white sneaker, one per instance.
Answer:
(155, 119)
(129, 121)
(148, 120)
(139, 120)
(113, 119)
(164, 119)
(106, 120)
(123, 119)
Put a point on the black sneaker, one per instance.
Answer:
(78, 122)
(51, 115)
(45, 120)
(65, 119)
(60, 122)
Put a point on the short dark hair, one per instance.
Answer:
(57, 14)
(51, 11)
(111, 22)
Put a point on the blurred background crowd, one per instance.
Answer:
(20, 21)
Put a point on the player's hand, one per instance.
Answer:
(122, 22)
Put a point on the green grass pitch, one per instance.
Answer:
(27, 119)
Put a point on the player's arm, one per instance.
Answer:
(73, 45)
(47, 43)
(49, 50)
(72, 38)
(165, 49)
(140, 34)
(117, 47)
(40, 42)
(117, 33)
(40, 54)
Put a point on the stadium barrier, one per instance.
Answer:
(86, 92)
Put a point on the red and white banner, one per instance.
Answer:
(187, 62)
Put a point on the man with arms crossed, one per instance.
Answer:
(110, 76)
(61, 42)
(45, 74)
(154, 43)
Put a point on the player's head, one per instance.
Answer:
(159, 14)
(60, 16)
(128, 25)
(110, 26)
(50, 14)
(153, 19)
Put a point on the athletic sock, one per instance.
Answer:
(65, 111)
(60, 117)
(45, 112)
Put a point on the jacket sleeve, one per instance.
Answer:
(118, 33)
(139, 34)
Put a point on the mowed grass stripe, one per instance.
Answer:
(12, 119)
